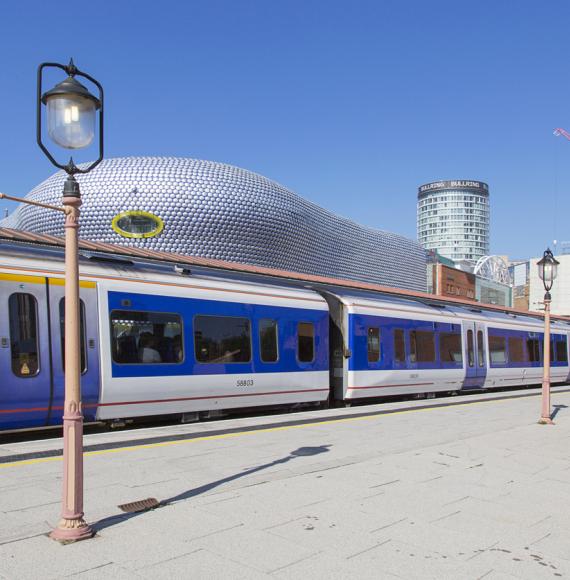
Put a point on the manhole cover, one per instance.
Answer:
(140, 506)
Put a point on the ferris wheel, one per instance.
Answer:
(493, 268)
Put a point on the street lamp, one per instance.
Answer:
(71, 121)
(547, 270)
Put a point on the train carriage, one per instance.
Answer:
(385, 345)
(515, 344)
(154, 342)
(158, 338)
(396, 347)
(208, 345)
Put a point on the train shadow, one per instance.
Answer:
(300, 452)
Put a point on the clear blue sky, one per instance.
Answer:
(351, 104)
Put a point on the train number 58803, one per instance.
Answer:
(245, 383)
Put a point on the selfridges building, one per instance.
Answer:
(214, 210)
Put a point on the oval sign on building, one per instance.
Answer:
(137, 224)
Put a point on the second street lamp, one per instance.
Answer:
(547, 271)
(71, 113)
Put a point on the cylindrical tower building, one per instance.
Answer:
(453, 218)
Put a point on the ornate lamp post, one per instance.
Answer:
(71, 122)
(547, 270)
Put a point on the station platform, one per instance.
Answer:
(460, 487)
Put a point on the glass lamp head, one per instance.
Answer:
(548, 269)
(71, 115)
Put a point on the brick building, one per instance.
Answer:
(449, 281)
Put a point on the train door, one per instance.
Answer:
(25, 359)
(89, 344)
(475, 355)
(566, 339)
(338, 350)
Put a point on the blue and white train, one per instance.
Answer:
(160, 340)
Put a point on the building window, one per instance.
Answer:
(222, 339)
(268, 340)
(373, 342)
(23, 315)
(306, 342)
(146, 337)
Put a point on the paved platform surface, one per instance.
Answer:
(475, 490)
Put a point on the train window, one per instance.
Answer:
(306, 341)
(498, 349)
(222, 339)
(516, 349)
(561, 350)
(470, 350)
(450, 347)
(81, 333)
(413, 347)
(373, 344)
(399, 346)
(533, 349)
(268, 340)
(422, 346)
(146, 337)
(23, 314)
(551, 350)
(480, 357)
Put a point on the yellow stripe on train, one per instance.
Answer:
(42, 280)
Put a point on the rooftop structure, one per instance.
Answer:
(214, 210)
(20, 241)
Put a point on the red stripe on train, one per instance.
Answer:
(119, 403)
(388, 386)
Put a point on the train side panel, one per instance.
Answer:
(26, 383)
(201, 365)
(408, 358)
(516, 350)
(31, 350)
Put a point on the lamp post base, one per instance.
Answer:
(545, 421)
(69, 531)
(72, 527)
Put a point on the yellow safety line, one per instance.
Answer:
(257, 431)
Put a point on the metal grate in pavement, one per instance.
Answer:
(142, 505)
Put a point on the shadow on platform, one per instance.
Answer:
(300, 452)
(557, 410)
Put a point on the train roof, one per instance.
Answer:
(441, 310)
(100, 253)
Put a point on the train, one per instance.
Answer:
(162, 338)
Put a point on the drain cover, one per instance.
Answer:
(140, 506)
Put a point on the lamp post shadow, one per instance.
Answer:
(300, 452)
(557, 409)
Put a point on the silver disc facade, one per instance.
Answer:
(214, 210)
